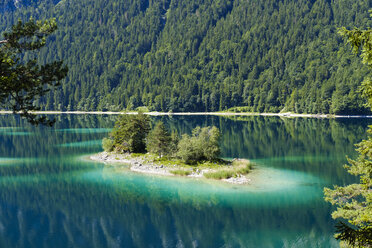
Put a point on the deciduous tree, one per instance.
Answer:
(202, 145)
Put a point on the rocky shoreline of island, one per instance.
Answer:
(142, 164)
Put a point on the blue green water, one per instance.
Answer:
(51, 195)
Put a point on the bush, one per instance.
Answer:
(202, 145)
(108, 144)
(188, 151)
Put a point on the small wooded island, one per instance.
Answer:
(158, 151)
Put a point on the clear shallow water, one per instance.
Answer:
(50, 196)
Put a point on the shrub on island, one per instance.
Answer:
(195, 154)
(202, 145)
(132, 134)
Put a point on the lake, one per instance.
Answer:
(51, 195)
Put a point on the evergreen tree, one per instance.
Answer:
(202, 55)
(129, 134)
(354, 202)
(23, 81)
(175, 139)
(159, 140)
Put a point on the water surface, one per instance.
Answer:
(50, 196)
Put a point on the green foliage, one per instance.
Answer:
(175, 139)
(210, 140)
(222, 174)
(22, 81)
(239, 167)
(354, 202)
(187, 150)
(245, 170)
(143, 109)
(180, 172)
(353, 237)
(159, 140)
(203, 55)
(107, 144)
(202, 145)
(130, 132)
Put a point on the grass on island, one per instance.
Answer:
(221, 169)
(136, 155)
(180, 172)
(218, 169)
(238, 167)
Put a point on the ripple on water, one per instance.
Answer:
(14, 132)
(84, 130)
(88, 143)
(37, 161)
(305, 158)
(8, 128)
(4, 161)
(7, 161)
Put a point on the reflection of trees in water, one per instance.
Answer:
(84, 214)
(307, 144)
(257, 137)
(43, 141)
(33, 210)
(251, 137)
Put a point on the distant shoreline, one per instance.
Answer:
(288, 115)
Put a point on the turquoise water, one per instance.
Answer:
(51, 195)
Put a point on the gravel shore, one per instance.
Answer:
(138, 164)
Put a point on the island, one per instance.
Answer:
(157, 151)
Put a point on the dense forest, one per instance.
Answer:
(201, 55)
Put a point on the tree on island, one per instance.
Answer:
(354, 202)
(24, 81)
(203, 144)
(132, 134)
(129, 134)
(159, 140)
(174, 143)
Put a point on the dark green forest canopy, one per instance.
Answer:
(202, 55)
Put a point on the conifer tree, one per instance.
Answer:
(354, 202)
(159, 140)
(24, 81)
(129, 134)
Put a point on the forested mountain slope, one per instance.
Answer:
(202, 55)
